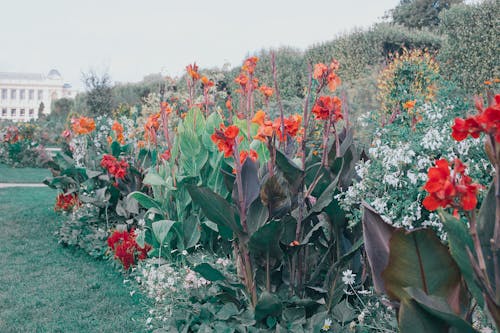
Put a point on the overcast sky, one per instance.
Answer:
(130, 39)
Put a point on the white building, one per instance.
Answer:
(24, 95)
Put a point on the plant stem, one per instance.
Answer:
(278, 96)
(477, 244)
(268, 273)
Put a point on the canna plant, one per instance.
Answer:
(432, 284)
(288, 232)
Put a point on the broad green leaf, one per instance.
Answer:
(343, 312)
(194, 121)
(325, 198)
(192, 164)
(141, 238)
(250, 182)
(459, 240)
(418, 259)
(227, 311)
(189, 144)
(267, 239)
(486, 226)
(267, 305)
(414, 319)
(209, 273)
(116, 149)
(152, 178)
(292, 172)
(161, 229)
(257, 216)
(215, 208)
(376, 235)
(145, 200)
(438, 308)
(191, 230)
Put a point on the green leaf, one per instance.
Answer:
(189, 144)
(194, 121)
(414, 319)
(250, 182)
(191, 230)
(418, 259)
(485, 228)
(376, 235)
(152, 178)
(209, 273)
(459, 240)
(227, 311)
(267, 239)
(141, 238)
(257, 216)
(161, 229)
(343, 312)
(145, 200)
(215, 208)
(116, 149)
(438, 308)
(267, 305)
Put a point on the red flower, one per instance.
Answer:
(327, 107)
(244, 154)
(266, 91)
(291, 126)
(114, 167)
(249, 65)
(126, 249)
(486, 121)
(67, 202)
(242, 80)
(225, 139)
(166, 155)
(82, 125)
(326, 75)
(206, 82)
(450, 189)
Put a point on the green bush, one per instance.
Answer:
(470, 54)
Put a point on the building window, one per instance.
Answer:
(22, 113)
(31, 94)
(4, 112)
(13, 94)
(32, 112)
(4, 93)
(13, 112)
(40, 95)
(22, 94)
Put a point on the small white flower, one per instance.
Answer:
(132, 293)
(327, 324)
(149, 320)
(348, 277)
(151, 216)
(142, 223)
(184, 253)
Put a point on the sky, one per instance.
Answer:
(129, 39)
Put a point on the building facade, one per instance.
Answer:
(25, 96)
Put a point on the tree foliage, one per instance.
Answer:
(99, 99)
(420, 13)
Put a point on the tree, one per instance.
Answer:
(420, 13)
(99, 96)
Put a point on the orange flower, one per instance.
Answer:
(291, 126)
(206, 82)
(409, 104)
(327, 107)
(244, 154)
(320, 70)
(333, 81)
(242, 80)
(82, 125)
(266, 91)
(225, 139)
(488, 83)
(109, 139)
(229, 105)
(165, 107)
(192, 71)
(117, 127)
(249, 65)
(259, 117)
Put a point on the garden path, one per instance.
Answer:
(50, 288)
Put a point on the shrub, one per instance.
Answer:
(470, 54)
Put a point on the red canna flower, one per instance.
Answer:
(225, 139)
(67, 202)
(166, 155)
(449, 188)
(206, 82)
(244, 154)
(242, 80)
(291, 126)
(486, 121)
(328, 107)
(126, 249)
(266, 91)
(116, 168)
(326, 74)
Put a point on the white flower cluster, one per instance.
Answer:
(392, 181)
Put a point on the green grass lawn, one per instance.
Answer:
(49, 288)
(22, 175)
